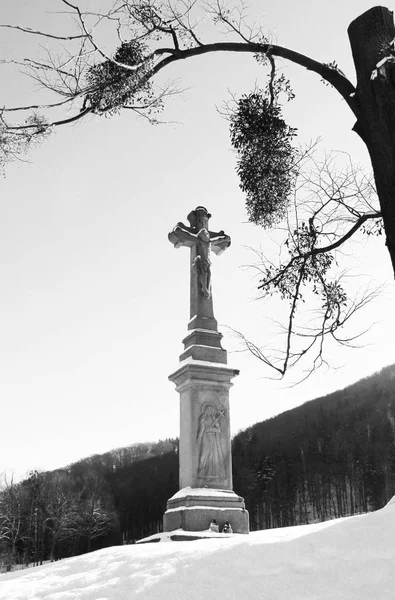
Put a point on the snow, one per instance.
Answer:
(342, 559)
(200, 508)
(167, 535)
(203, 363)
(211, 492)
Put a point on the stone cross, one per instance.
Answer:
(203, 380)
(201, 241)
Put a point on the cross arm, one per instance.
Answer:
(182, 235)
(219, 242)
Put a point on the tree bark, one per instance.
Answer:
(372, 42)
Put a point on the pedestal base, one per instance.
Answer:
(193, 509)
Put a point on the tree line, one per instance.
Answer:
(100, 501)
(331, 457)
(53, 514)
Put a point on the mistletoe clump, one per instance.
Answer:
(266, 164)
(307, 267)
(18, 141)
(122, 81)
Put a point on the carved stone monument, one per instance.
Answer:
(203, 380)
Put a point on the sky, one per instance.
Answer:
(94, 300)
(345, 559)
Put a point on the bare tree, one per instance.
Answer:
(149, 35)
(96, 509)
(12, 526)
(60, 501)
(83, 76)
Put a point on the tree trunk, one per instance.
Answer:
(372, 43)
(52, 549)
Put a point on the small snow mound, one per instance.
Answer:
(392, 501)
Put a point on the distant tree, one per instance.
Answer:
(60, 502)
(95, 507)
(34, 486)
(12, 520)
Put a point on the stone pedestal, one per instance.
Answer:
(203, 380)
(204, 451)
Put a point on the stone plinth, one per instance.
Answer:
(205, 449)
(193, 509)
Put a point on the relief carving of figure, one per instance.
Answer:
(210, 453)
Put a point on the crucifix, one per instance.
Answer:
(203, 380)
(201, 241)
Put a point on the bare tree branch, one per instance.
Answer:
(325, 197)
(48, 35)
(332, 76)
(325, 249)
(146, 21)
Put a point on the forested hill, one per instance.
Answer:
(118, 458)
(330, 457)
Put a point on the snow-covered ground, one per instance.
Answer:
(351, 558)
